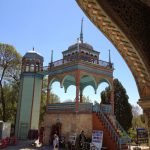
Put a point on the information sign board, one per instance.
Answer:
(142, 135)
(97, 138)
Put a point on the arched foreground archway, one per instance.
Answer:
(126, 25)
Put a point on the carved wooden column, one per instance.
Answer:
(77, 89)
(81, 94)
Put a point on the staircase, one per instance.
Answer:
(113, 139)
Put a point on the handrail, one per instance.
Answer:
(64, 61)
(114, 135)
(124, 138)
(119, 139)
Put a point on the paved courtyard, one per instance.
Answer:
(26, 145)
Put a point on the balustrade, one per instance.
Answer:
(65, 61)
(120, 140)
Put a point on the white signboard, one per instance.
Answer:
(72, 138)
(97, 138)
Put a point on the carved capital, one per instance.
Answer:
(144, 102)
(145, 92)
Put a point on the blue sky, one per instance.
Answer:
(55, 24)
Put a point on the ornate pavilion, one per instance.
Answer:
(80, 66)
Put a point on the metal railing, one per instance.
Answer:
(106, 109)
(70, 107)
(64, 61)
(107, 124)
(124, 138)
(105, 64)
(120, 140)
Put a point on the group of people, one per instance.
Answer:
(82, 140)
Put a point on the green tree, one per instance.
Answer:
(11, 93)
(138, 118)
(122, 108)
(105, 96)
(43, 106)
(86, 99)
(55, 99)
(10, 62)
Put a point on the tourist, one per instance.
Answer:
(56, 142)
(82, 140)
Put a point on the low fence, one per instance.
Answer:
(69, 107)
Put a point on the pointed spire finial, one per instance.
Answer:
(78, 44)
(51, 56)
(81, 33)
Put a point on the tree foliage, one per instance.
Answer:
(86, 99)
(137, 122)
(10, 65)
(11, 93)
(105, 96)
(122, 108)
(53, 97)
(138, 118)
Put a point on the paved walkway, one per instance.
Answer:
(142, 147)
(26, 145)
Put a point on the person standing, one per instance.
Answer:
(56, 142)
(82, 140)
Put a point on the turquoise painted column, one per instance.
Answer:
(28, 109)
(29, 104)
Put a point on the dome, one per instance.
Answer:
(33, 55)
(81, 45)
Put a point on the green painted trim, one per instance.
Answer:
(78, 67)
(29, 74)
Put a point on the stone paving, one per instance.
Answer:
(142, 147)
(26, 145)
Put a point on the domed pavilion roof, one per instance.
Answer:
(33, 55)
(81, 45)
